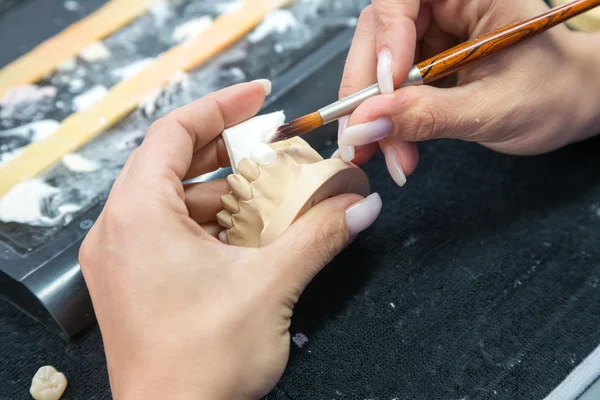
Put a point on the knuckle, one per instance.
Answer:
(428, 122)
(330, 238)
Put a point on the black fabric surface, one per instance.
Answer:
(491, 262)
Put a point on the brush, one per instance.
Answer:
(447, 63)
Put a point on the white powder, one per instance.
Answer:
(67, 65)
(228, 7)
(71, 5)
(278, 21)
(77, 163)
(34, 131)
(133, 69)
(25, 94)
(191, 29)
(23, 203)
(242, 138)
(89, 98)
(95, 51)
(161, 12)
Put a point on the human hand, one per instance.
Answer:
(182, 315)
(530, 99)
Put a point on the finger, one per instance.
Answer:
(209, 158)
(171, 141)
(318, 236)
(360, 70)
(203, 200)
(396, 40)
(417, 114)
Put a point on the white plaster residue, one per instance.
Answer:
(133, 69)
(161, 12)
(263, 154)
(237, 73)
(94, 52)
(75, 85)
(78, 163)
(191, 29)
(241, 139)
(161, 97)
(67, 65)
(278, 21)
(228, 6)
(25, 94)
(71, 5)
(23, 203)
(34, 131)
(300, 339)
(89, 98)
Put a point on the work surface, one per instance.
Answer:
(480, 280)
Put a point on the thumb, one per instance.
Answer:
(320, 234)
(395, 40)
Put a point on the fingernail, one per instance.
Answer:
(223, 237)
(362, 214)
(385, 68)
(335, 154)
(266, 84)
(374, 131)
(392, 160)
(346, 152)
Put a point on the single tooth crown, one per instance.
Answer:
(48, 384)
(248, 169)
(240, 186)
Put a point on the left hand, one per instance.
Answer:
(182, 315)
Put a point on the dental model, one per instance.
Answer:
(48, 384)
(273, 185)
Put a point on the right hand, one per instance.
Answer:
(531, 99)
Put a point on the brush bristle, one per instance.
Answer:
(297, 127)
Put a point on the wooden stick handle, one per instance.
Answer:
(468, 53)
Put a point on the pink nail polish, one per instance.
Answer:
(385, 72)
(392, 162)
(370, 132)
(363, 214)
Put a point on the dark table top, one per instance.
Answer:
(480, 280)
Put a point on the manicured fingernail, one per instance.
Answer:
(266, 84)
(362, 214)
(392, 160)
(223, 237)
(371, 132)
(335, 154)
(346, 152)
(385, 68)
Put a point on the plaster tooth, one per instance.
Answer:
(48, 384)
(240, 186)
(224, 219)
(248, 169)
(229, 202)
(263, 154)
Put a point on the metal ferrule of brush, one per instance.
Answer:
(346, 106)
